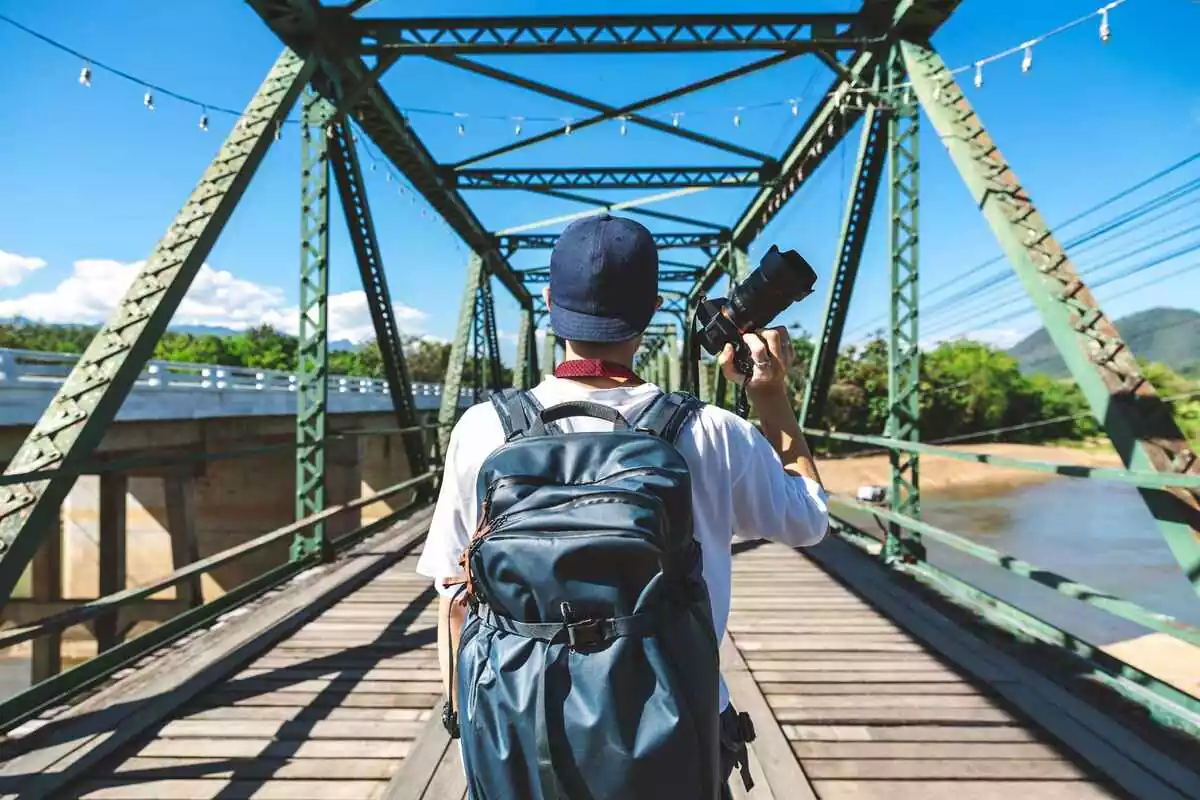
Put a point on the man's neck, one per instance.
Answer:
(612, 355)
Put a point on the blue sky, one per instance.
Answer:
(91, 178)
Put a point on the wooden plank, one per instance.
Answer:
(411, 780)
(287, 674)
(304, 713)
(905, 716)
(926, 769)
(800, 688)
(450, 781)
(393, 749)
(347, 686)
(909, 733)
(259, 768)
(996, 751)
(807, 644)
(114, 716)
(230, 790)
(959, 790)
(318, 700)
(283, 730)
(881, 700)
(780, 769)
(1106, 744)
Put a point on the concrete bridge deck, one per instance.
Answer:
(328, 689)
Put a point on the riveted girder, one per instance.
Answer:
(348, 174)
(88, 399)
(1140, 425)
(607, 33)
(451, 387)
(542, 275)
(664, 241)
(904, 351)
(312, 350)
(863, 190)
(610, 177)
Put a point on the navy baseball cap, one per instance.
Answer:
(603, 280)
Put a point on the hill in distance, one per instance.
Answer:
(1167, 335)
(193, 330)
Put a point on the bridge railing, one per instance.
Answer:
(1167, 702)
(32, 368)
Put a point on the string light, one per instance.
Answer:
(462, 129)
(278, 130)
(624, 126)
(1025, 49)
(204, 121)
(567, 129)
(737, 120)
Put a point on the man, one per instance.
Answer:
(602, 294)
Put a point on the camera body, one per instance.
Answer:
(780, 279)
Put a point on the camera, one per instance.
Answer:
(779, 280)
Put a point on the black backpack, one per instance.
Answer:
(588, 665)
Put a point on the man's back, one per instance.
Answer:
(738, 484)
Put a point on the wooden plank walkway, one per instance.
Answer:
(850, 702)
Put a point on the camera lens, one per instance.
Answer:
(780, 280)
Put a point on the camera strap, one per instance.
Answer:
(595, 368)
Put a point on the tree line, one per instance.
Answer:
(966, 387)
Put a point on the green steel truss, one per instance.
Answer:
(76, 419)
(664, 241)
(542, 275)
(463, 334)
(526, 376)
(859, 208)
(904, 351)
(348, 174)
(607, 33)
(312, 364)
(610, 178)
(1141, 427)
(487, 373)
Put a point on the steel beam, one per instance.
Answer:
(542, 275)
(904, 352)
(545, 241)
(864, 188)
(348, 174)
(1141, 427)
(626, 112)
(610, 178)
(88, 399)
(298, 23)
(525, 374)
(448, 413)
(658, 33)
(312, 351)
(837, 113)
(608, 205)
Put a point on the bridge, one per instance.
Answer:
(294, 655)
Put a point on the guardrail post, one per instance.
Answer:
(179, 493)
(312, 354)
(47, 587)
(114, 495)
(904, 353)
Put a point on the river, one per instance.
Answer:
(1095, 532)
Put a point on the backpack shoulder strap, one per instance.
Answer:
(518, 409)
(667, 414)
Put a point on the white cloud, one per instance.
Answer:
(14, 268)
(1002, 338)
(216, 297)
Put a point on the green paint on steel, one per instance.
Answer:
(525, 373)
(904, 352)
(448, 413)
(1117, 606)
(1150, 480)
(312, 353)
(76, 419)
(486, 371)
(1141, 427)
(549, 357)
(864, 187)
(348, 174)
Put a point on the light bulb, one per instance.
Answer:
(85, 76)
(675, 120)
(329, 131)
(978, 74)
(737, 120)
(148, 100)
(278, 131)
(1027, 61)
(624, 127)
(1105, 31)
(795, 107)
(204, 122)
(462, 129)
(517, 127)
(567, 129)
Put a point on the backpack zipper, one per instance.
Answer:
(494, 485)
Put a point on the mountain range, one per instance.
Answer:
(1168, 335)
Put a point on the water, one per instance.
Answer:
(1095, 532)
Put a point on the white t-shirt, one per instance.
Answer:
(739, 485)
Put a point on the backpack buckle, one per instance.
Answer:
(586, 633)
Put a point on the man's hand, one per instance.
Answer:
(772, 354)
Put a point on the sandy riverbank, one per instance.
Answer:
(845, 475)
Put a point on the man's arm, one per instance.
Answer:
(772, 353)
